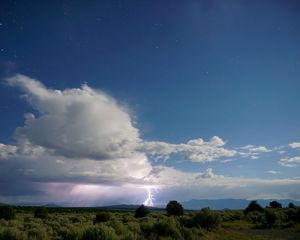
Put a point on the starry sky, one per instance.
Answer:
(101, 102)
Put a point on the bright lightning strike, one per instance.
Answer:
(149, 199)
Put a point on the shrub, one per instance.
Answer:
(41, 212)
(230, 215)
(12, 234)
(271, 217)
(121, 229)
(191, 233)
(207, 219)
(102, 217)
(174, 208)
(297, 216)
(141, 211)
(7, 212)
(70, 233)
(99, 232)
(166, 229)
(38, 233)
(186, 221)
(253, 206)
(255, 217)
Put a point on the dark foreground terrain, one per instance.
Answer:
(23, 223)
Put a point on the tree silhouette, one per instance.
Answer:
(291, 205)
(141, 211)
(275, 204)
(174, 208)
(41, 212)
(253, 206)
(7, 212)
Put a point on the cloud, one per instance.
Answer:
(226, 160)
(281, 152)
(77, 123)
(207, 174)
(75, 136)
(295, 145)
(81, 145)
(190, 185)
(253, 152)
(196, 150)
(7, 150)
(272, 172)
(290, 162)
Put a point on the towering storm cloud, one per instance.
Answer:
(77, 123)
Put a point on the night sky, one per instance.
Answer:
(103, 101)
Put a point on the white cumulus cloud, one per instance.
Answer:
(196, 150)
(290, 162)
(295, 145)
(7, 150)
(77, 123)
(253, 152)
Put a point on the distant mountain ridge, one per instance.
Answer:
(193, 204)
(219, 204)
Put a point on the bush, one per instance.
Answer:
(255, 217)
(99, 232)
(297, 216)
(41, 212)
(12, 234)
(207, 219)
(186, 221)
(271, 217)
(174, 208)
(166, 229)
(38, 233)
(7, 212)
(253, 206)
(141, 211)
(102, 217)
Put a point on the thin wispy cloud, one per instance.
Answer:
(253, 152)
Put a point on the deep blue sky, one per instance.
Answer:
(187, 69)
(214, 68)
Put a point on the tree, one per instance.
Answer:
(275, 204)
(291, 205)
(174, 208)
(253, 206)
(7, 212)
(41, 212)
(141, 211)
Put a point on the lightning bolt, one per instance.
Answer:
(149, 199)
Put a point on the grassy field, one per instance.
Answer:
(91, 223)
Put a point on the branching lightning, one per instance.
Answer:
(149, 199)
